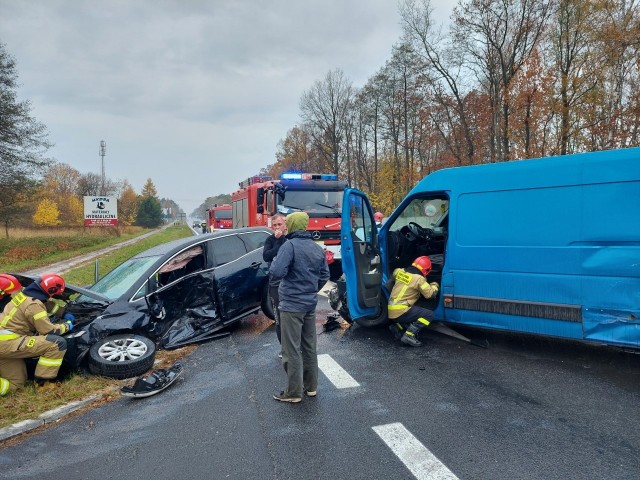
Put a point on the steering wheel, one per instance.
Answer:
(419, 232)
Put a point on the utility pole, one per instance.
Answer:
(103, 152)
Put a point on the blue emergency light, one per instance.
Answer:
(291, 176)
(307, 176)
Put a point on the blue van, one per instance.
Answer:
(548, 246)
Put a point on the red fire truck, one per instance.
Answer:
(219, 216)
(319, 195)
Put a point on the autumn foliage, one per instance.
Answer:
(504, 80)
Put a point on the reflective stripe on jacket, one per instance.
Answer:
(27, 316)
(406, 291)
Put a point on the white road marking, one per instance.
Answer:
(423, 464)
(334, 372)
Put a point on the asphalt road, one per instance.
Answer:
(523, 409)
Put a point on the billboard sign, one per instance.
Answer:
(100, 211)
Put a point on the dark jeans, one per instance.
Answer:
(275, 301)
(299, 357)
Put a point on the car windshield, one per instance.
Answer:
(120, 279)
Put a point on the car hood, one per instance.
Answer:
(70, 289)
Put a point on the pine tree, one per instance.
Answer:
(149, 213)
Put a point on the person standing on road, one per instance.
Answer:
(269, 252)
(410, 284)
(27, 332)
(302, 270)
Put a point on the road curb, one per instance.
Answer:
(47, 417)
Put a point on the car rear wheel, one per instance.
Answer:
(122, 356)
(267, 304)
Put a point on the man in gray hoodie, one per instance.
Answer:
(302, 270)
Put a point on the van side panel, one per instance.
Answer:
(548, 246)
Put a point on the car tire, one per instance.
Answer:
(266, 304)
(122, 356)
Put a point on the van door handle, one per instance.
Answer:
(256, 265)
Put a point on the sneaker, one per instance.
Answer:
(310, 393)
(281, 397)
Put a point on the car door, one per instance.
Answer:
(235, 274)
(361, 260)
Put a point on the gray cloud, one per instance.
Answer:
(194, 94)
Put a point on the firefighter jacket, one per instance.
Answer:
(25, 316)
(406, 291)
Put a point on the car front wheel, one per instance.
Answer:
(122, 356)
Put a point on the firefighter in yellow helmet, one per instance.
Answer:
(410, 284)
(27, 332)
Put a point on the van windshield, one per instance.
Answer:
(428, 213)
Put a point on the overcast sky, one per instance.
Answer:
(193, 94)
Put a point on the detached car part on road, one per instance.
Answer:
(171, 295)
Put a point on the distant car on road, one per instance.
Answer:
(182, 292)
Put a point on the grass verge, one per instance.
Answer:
(85, 275)
(29, 404)
(26, 253)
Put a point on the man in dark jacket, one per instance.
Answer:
(302, 269)
(269, 252)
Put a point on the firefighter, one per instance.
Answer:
(378, 216)
(27, 332)
(410, 284)
(8, 285)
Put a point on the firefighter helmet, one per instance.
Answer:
(378, 216)
(8, 284)
(423, 264)
(52, 284)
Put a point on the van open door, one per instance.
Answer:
(361, 262)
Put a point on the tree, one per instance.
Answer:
(23, 142)
(444, 75)
(60, 184)
(16, 196)
(297, 153)
(149, 189)
(325, 109)
(127, 205)
(149, 212)
(47, 213)
(498, 36)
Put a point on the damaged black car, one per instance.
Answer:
(171, 295)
